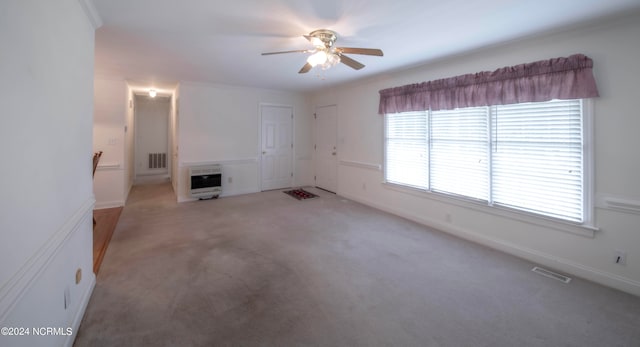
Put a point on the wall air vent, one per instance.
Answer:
(157, 160)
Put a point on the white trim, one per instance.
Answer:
(109, 204)
(140, 171)
(221, 162)
(164, 175)
(92, 13)
(522, 216)
(362, 165)
(223, 195)
(15, 288)
(109, 166)
(619, 204)
(605, 278)
(588, 162)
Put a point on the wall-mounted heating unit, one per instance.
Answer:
(205, 182)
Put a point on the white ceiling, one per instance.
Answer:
(162, 42)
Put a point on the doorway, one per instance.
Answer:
(326, 126)
(152, 160)
(276, 142)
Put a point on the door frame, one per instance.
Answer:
(136, 129)
(261, 105)
(315, 143)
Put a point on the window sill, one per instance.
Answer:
(522, 216)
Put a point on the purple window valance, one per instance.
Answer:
(559, 78)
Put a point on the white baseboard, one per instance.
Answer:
(605, 278)
(223, 195)
(239, 192)
(77, 319)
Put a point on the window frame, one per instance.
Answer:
(585, 228)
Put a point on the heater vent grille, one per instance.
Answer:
(551, 274)
(157, 160)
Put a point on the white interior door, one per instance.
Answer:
(277, 147)
(326, 119)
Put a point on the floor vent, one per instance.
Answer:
(551, 274)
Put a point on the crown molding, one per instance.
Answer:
(90, 10)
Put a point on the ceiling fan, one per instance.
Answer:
(325, 55)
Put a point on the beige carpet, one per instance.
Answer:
(267, 270)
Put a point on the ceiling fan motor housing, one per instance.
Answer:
(327, 37)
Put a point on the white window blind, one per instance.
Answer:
(526, 156)
(406, 151)
(459, 152)
(537, 157)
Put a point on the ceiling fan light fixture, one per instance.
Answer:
(332, 60)
(326, 55)
(318, 58)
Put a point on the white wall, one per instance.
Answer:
(46, 95)
(173, 139)
(220, 123)
(129, 142)
(152, 131)
(111, 115)
(615, 50)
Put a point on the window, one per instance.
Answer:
(525, 156)
(407, 150)
(459, 146)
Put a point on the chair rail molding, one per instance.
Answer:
(15, 288)
(619, 204)
(361, 165)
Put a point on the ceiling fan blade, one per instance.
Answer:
(350, 62)
(294, 51)
(365, 51)
(305, 68)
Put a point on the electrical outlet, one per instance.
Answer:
(620, 257)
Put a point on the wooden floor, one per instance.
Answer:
(106, 221)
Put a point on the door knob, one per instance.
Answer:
(333, 153)
(264, 152)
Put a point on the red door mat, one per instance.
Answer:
(300, 194)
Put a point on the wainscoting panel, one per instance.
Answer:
(613, 280)
(39, 290)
